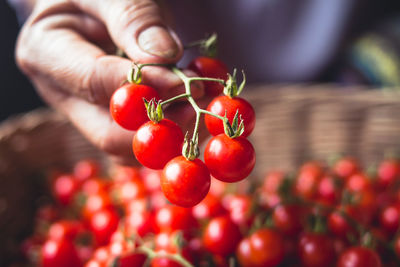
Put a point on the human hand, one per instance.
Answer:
(64, 48)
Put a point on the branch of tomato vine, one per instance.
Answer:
(151, 254)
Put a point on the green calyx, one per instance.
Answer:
(190, 148)
(235, 129)
(209, 46)
(231, 88)
(135, 74)
(154, 110)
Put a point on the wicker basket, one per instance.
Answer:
(294, 123)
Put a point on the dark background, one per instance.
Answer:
(16, 93)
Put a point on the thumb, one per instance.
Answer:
(137, 27)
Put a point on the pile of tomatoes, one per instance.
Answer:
(340, 216)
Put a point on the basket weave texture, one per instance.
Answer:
(294, 123)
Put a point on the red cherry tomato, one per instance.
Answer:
(185, 182)
(359, 257)
(103, 224)
(328, 191)
(60, 253)
(264, 248)
(390, 218)
(154, 144)
(345, 167)
(94, 203)
(223, 104)
(388, 172)
(86, 169)
(64, 189)
(229, 159)
(172, 218)
(240, 209)
(211, 68)
(65, 229)
(134, 259)
(137, 223)
(209, 207)
(127, 107)
(221, 236)
(288, 219)
(307, 181)
(316, 250)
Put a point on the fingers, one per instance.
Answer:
(137, 27)
(55, 49)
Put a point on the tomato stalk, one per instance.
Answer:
(151, 254)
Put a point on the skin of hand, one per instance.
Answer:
(66, 46)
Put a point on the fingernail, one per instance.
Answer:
(157, 41)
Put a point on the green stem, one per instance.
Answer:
(151, 254)
(207, 79)
(185, 95)
(186, 81)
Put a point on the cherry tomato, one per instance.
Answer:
(390, 218)
(209, 207)
(103, 224)
(388, 172)
(307, 181)
(288, 219)
(338, 224)
(264, 248)
(127, 107)
(359, 257)
(221, 236)
(137, 223)
(94, 203)
(345, 167)
(211, 68)
(65, 229)
(229, 159)
(172, 218)
(328, 191)
(86, 169)
(240, 208)
(64, 189)
(185, 182)
(60, 253)
(133, 259)
(154, 144)
(223, 104)
(130, 190)
(316, 250)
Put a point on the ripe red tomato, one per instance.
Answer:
(171, 218)
(390, 218)
(328, 191)
(137, 223)
(130, 190)
(60, 253)
(264, 248)
(134, 259)
(346, 167)
(223, 104)
(103, 224)
(221, 236)
(240, 209)
(127, 107)
(316, 250)
(307, 181)
(339, 225)
(289, 219)
(211, 68)
(359, 257)
(229, 159)
(154, 144)
(86, 169)
(65, 229)
(64, 189)
(209, 207)
(388, 172)
(185, 182)
(94, 203)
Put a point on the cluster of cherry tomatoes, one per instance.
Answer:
(160, 144)
(318, 216)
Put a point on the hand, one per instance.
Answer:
(64, 48)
